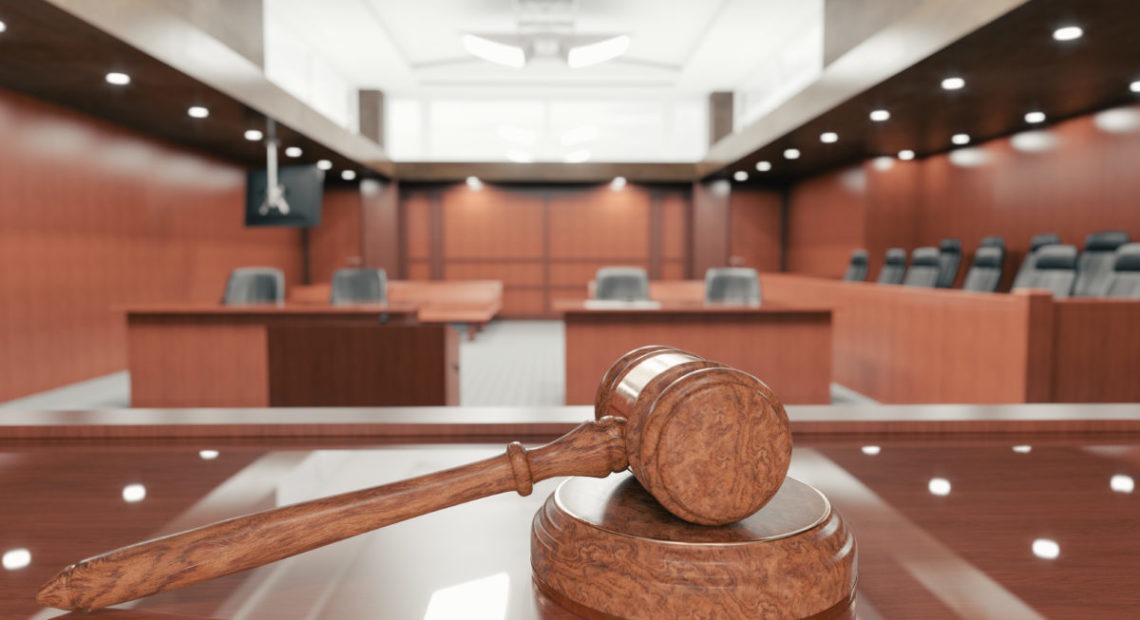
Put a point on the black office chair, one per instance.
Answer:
(1126, 273)
(1095, 266)
(1027, 263)
(924, 268)
(949, 260)
(894, 267)
(621, 284)
(732, 285)
(1055, 269)
(254, 285)
(857, 268)
(985, 270)
(359, 286)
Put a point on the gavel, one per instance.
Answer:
(711, 443)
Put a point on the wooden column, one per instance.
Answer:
(710, 226)
(380, 226)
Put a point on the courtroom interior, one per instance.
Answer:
(259, 252)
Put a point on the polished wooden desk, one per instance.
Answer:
(257, 356)
(789, 348)
(1013, 475)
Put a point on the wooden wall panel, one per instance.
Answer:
(490, 223)
(380, 234)
(826, 217)
(94, 218)
(416, 208)
(544, 242)
(709, 226)
(674, 228)
(336, 243)
(599, 223)
(755, 225)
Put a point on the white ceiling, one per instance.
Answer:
(679, 48)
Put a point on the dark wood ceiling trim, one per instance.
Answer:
(545, 172)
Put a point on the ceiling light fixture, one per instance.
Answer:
(829, 137)
(617, 183)
(474, 183)
(293, 151)
(1046, 549)
(493, 51)
(960, 139)
(597, 53)
(118, 79)
(1135, 86)
(906, 155)
(953, 83)
(253, 135)
(791, 154)
(208, 455)
(348, 175)
(324, 164)
(1068, 33)
(880, 115)
(198, 112)
(1035, 117)
(15, 559)
(740, 175)
(3, 26)
(763, 166)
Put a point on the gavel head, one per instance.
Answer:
(711, 443)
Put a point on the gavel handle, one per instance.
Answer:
(592, 449)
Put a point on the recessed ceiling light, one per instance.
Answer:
(3, 26)
(348, 175)
(763, 166)
(474, 183)
(828, 137)
(293, 151)
(1046, 549)
(871, 450)
(906, 155)
(1068, 33)
(15, 559)
(1022, 449)
(198, 112)
(324, 164)
(953, 83)
(960, 139)
(880, 115)
(617, 183)
(740, 176)
(1121, 483)
(791, 154)
(1135, 86)
(253, 135)
(208, 455)
(118, 79)
(939, 487)
(1035, 117)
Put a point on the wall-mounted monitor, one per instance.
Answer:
(297, 205)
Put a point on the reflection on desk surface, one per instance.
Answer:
(947, 528)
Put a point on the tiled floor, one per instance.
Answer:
(509, 363)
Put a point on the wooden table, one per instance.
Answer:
(789, 348)
(965, 554)
(257, 356)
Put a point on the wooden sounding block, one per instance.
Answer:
(604, 548)
(708, 443)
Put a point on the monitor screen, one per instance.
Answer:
(298, 204)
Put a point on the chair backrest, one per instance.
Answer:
(254, 285)
(732, 285)
(1126, 273)
(1037, 242)
(924, 268)
(949, 259)
(621, 284)
(1095, 266)
(1055, 270)
(985, 270)
(993, 241)
(857, 268)
(359, 286)
(894, 267)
